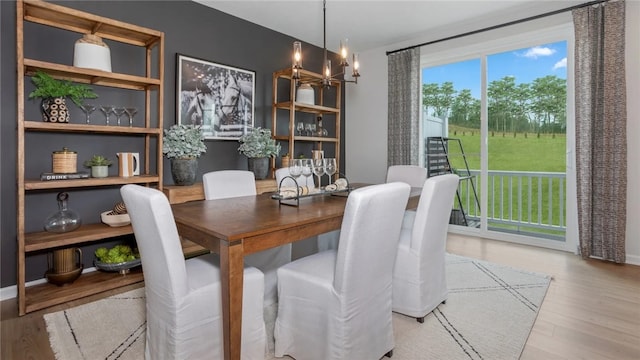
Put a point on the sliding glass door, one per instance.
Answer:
(501, 119)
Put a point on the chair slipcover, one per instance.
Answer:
(410, 174)
(183, 298)
(419, 283)
(234, 183)
(336, 304)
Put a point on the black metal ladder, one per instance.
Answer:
(438, 163)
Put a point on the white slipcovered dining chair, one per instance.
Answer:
(419, 282)
(410, 174)
(183, 298)
(224, 184)
(336, 304)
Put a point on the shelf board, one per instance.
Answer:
(43, 240)
(306, 76)
(306, 138)
(308, 108)
(44, 295)
(111, 180)
(85, 23)
(90, 76)
(89, 128)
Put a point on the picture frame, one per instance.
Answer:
(218, 97)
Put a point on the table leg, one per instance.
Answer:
(232, 276)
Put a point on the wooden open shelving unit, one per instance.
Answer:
(44, 295)
(331, 112)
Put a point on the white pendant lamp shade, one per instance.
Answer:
(91, 52)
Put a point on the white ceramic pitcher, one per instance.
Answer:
(128, 164)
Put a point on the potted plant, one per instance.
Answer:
(183, 145)
(99, 166)
(258, 146)
(54, 93)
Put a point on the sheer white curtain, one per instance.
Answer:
(404, 107)
(601, 130)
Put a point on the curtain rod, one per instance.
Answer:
(500, 25)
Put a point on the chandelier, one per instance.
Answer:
(327, 76)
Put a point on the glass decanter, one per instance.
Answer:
(63, 220)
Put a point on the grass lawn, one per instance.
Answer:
(519, 198)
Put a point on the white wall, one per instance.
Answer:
(366, 110)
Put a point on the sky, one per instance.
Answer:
(525, 64)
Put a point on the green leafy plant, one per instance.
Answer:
(97, 160)
(258, 144)
(183, 142)
(48, 87)
(117, 254)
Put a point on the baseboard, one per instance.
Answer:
(11, 292)
(632, 259)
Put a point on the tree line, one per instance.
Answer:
(537, 107)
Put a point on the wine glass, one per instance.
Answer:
(300, 128)
(307, 129)
(131, 112)
(307, 169)
(330, 168)
(107, 110)
(119, 111)
(295, 168)
(87, 109)
(318, 170)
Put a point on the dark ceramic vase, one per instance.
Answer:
(54, 110)
(184, 171)
(260, 167)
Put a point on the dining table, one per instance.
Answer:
(239, 226)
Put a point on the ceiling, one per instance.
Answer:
(373, 24)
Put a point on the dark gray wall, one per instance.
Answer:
(190, 29)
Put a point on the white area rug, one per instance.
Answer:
(489, 314)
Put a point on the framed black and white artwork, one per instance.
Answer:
(217, 97)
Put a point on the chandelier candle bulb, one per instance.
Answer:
(344, 52)
(297, 55)
(356, 66)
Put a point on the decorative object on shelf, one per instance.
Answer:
(182, 145)
(120, 258)
(64, 266)
(63, 220)
(53, 94)
(64, 161)
(217, 97)
(92, 53)
(115, 220)
(258, 146)
(99, 166)
(116, 217)
(50, 176)
(128, 164)
(327, 76)
(317, 154)
(305, 94)
(286, 159)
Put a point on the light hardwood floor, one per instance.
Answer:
(591, 310)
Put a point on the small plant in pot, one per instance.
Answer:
(99, 166)
(183, 145)
(54, 94)
(258, 146)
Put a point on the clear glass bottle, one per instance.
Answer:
(63, 220)
(319, 128)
